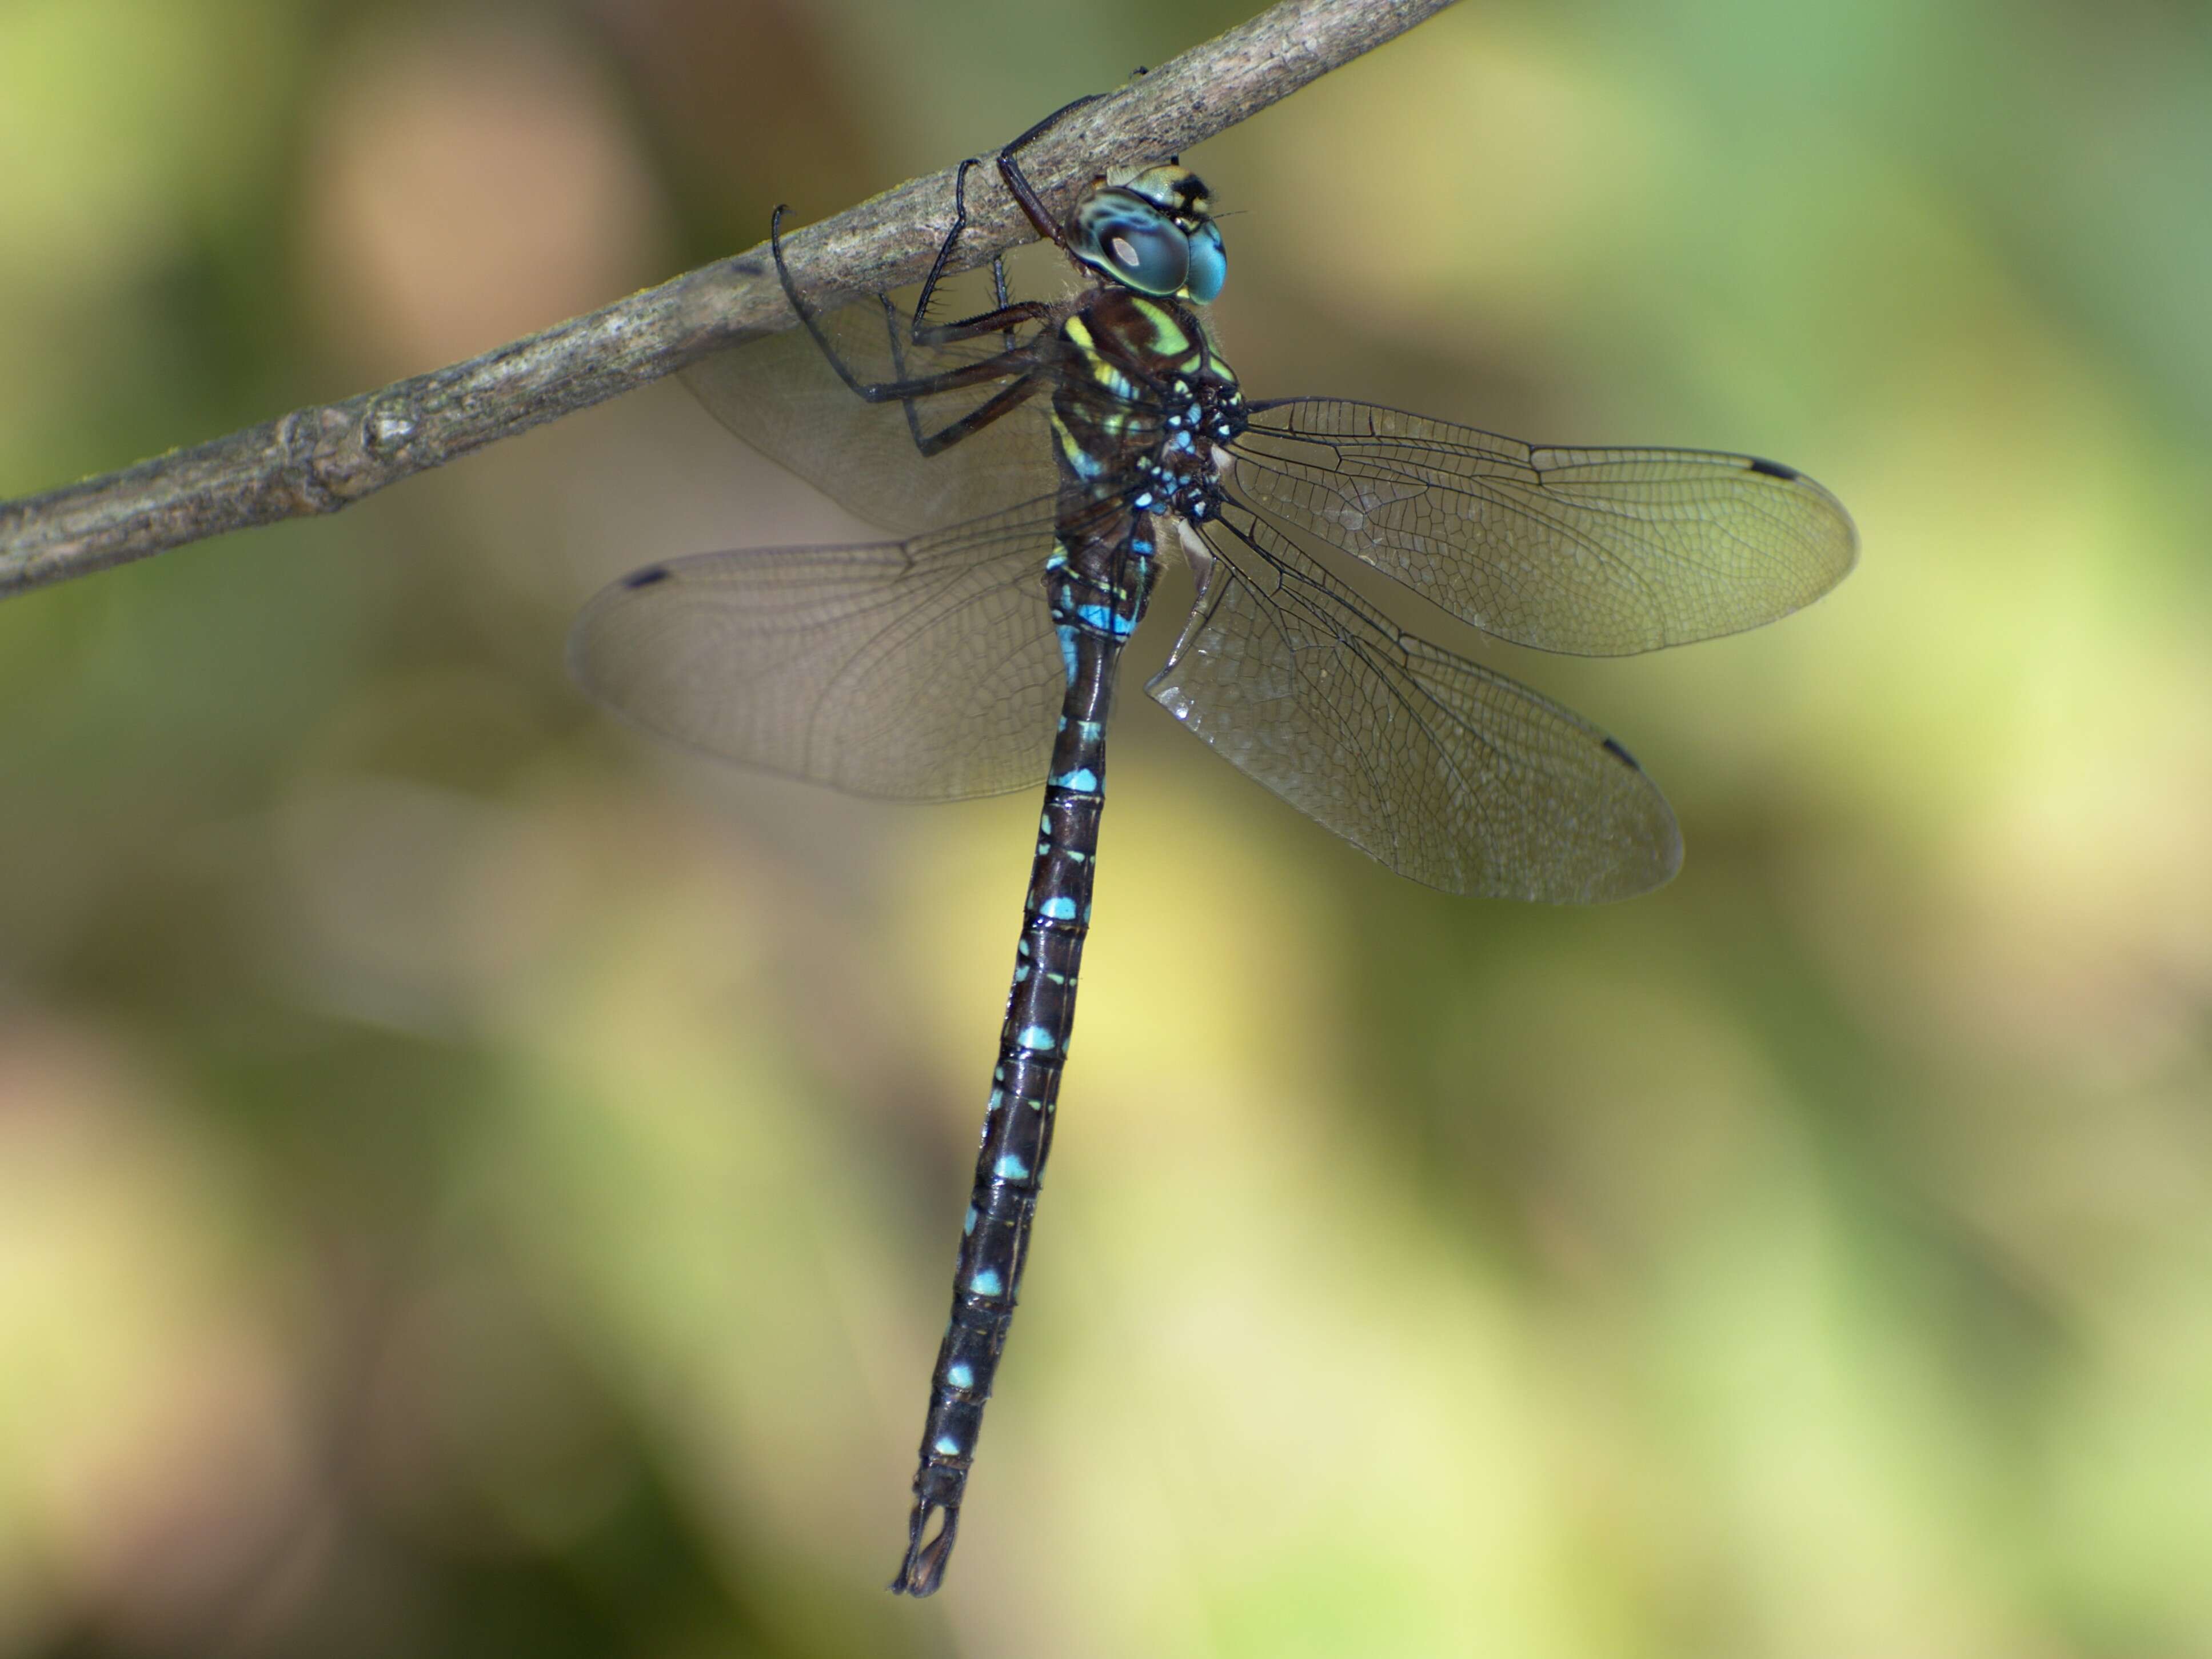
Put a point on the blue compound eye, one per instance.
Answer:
(1151, 258)
(1131, 241)
(1209, 264)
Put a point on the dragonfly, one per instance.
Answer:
(1037, 463)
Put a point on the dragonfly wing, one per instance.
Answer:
(1443, 770)
(1596, 552)
(779, 395)
(926, 670)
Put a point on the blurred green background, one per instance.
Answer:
(472, 1183)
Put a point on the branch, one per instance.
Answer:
(323, 458)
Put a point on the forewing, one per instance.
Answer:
(922, 670)
(1597, 552)
(1441, 769)
(779, 395)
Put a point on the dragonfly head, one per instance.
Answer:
(1151, 231)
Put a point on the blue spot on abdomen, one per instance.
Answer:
(1104, 619)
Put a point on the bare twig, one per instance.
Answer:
(321, 459)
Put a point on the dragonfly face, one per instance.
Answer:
(1028, 460)
(1153, 232)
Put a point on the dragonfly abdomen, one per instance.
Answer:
(1099, 579)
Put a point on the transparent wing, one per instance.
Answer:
(779, 394)
(926, 670)
(1597, 552)
(1441, 769)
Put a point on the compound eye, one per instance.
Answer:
(1133, 242)
(1151, 258)
(1209, 264)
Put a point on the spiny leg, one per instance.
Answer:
(1006, 313)
(1020, 360)
(1004, 319)
(990, 369)
(1005, 316)
(1009, 397)
(924, 333)
(1018, 182)
(1024, 194)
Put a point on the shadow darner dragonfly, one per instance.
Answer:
(1039, 460)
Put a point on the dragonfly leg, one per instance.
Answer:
(944, 252)
(1019, 361)
(1018, 183)
(1004, 316)
(1011, 397)
(934, 443)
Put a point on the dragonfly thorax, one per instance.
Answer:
(1181, 473)
(1144, 403)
